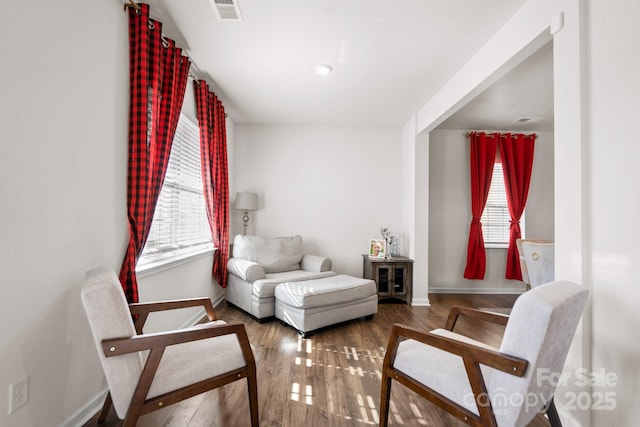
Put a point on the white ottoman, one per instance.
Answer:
(314, 304)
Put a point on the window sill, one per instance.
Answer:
(153, 267)
(496, 246)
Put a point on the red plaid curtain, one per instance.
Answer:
(158, 80)
(516, 152)
(482, 159)
(215, 174)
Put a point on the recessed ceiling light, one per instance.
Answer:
(527, 119)
(323, 69)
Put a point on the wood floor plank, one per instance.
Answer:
(331, 378)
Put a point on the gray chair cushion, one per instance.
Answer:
(191, 362)
(109, 317)
(439, 369)
(541, 328)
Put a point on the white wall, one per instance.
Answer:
(420, 246)
(63, 116)
(334, 186)
(614, 205)
(415, 207)
(450, 213)
(63, 108)
(540, 204)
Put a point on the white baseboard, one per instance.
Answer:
(201, 314)
(195, 319)
(420, 302)
(218, 300)
(478, 291)
(94, 406)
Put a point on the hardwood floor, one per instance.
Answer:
(329, 379)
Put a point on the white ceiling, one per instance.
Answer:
(389, 57)
(526, 92)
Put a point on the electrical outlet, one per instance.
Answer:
(18, 395)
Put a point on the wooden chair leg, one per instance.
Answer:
(105, 409)
(385, 395)
(135, 409)
(130, 421)
(552, 413)
(252, 385)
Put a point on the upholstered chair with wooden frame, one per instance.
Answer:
(482, 385)
(540, 259)
(148, 372)
(523, 264)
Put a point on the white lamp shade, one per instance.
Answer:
(246, 201)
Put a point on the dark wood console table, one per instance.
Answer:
(393, 276)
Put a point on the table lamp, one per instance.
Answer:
(246, 202)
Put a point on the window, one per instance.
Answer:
(180, 226)
(495, 218)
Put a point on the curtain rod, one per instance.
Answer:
(132, 4)
(136, 6)
(502, 135)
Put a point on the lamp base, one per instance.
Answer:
(245, 222)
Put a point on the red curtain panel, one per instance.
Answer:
(482, 159)
(215, 174)
(158, 80)
(516, 152)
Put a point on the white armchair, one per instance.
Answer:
(523, 261)
(259, 264)
(539, 257)
(476, 382)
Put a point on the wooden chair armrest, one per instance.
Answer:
(141, 311)
(469, 352)
(475, 314)
(119, 346)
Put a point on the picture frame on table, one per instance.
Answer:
(377, 248)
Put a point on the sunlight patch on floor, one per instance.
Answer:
(357, 362)
(418, 414)
(395, 415)
(307, 397)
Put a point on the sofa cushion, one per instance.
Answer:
(264, 288)
(274, 254)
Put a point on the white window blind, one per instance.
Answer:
(495, 218)
(180, 226)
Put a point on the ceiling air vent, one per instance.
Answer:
(227, 10)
